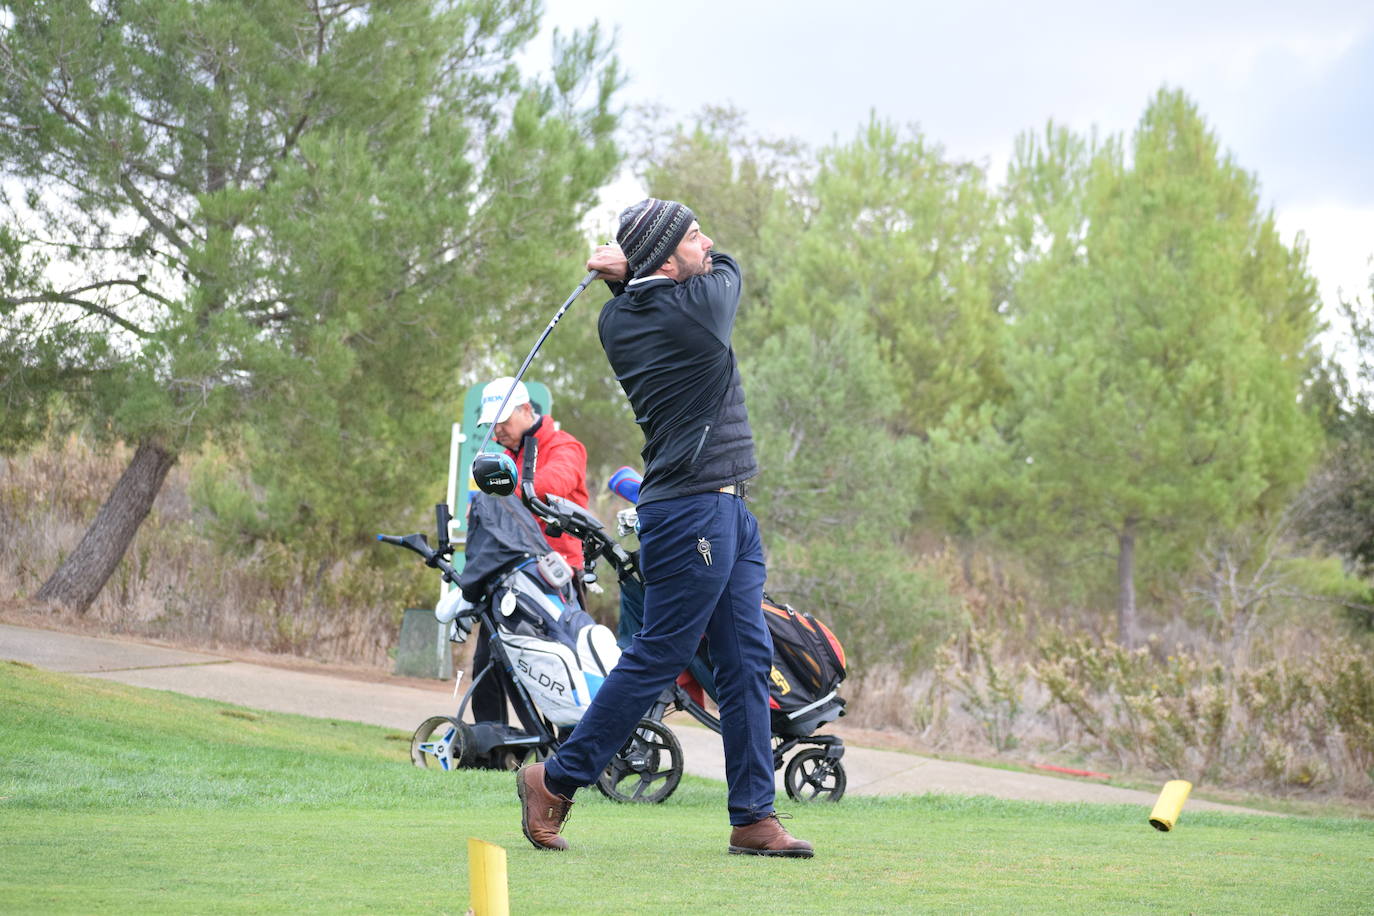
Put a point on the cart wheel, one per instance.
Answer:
(439, 743)
(647, 769)
(811, 776)
(510, 760)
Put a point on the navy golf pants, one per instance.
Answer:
(684, 599)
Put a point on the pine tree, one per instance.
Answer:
(1160, 339)
(280, 217)
(907, 239)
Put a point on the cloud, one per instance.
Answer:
(1340, 241)
(1314, 139)
(974, 74)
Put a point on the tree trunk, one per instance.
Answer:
(1126, 623)
(84, 573)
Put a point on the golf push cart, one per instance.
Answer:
(545, 650)
(542, 640)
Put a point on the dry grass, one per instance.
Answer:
(175, 585)
(1291, 715)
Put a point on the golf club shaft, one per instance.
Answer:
(586, 281)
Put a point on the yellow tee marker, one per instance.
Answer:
(488, 894)
(1170, 804)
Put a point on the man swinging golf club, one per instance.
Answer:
(667, 336)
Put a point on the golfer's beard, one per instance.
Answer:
(687, 270)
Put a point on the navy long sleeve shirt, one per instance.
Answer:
(669, 345)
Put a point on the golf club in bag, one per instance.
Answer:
(495, 473)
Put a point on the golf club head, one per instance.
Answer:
(494, 473)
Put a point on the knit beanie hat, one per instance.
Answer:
(649, 232)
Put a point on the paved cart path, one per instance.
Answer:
(402, 703)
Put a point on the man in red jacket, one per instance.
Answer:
(562, 466)
(561, 470)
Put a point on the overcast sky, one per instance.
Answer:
(1287, 87)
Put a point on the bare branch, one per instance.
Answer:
(72, 297)
(167, 125)
(139, 203)
(154, 173)
(282, 316)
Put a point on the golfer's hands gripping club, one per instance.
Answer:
(609, 262)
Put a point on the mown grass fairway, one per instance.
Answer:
(116, 799)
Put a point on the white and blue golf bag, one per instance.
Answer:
(557, 652)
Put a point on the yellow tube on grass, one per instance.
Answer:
(1170, 804)
(488, 893)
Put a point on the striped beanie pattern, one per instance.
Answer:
(649, 232)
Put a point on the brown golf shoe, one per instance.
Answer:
(768, 837)
(542, 814)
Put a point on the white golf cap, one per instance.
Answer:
(495, 393)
